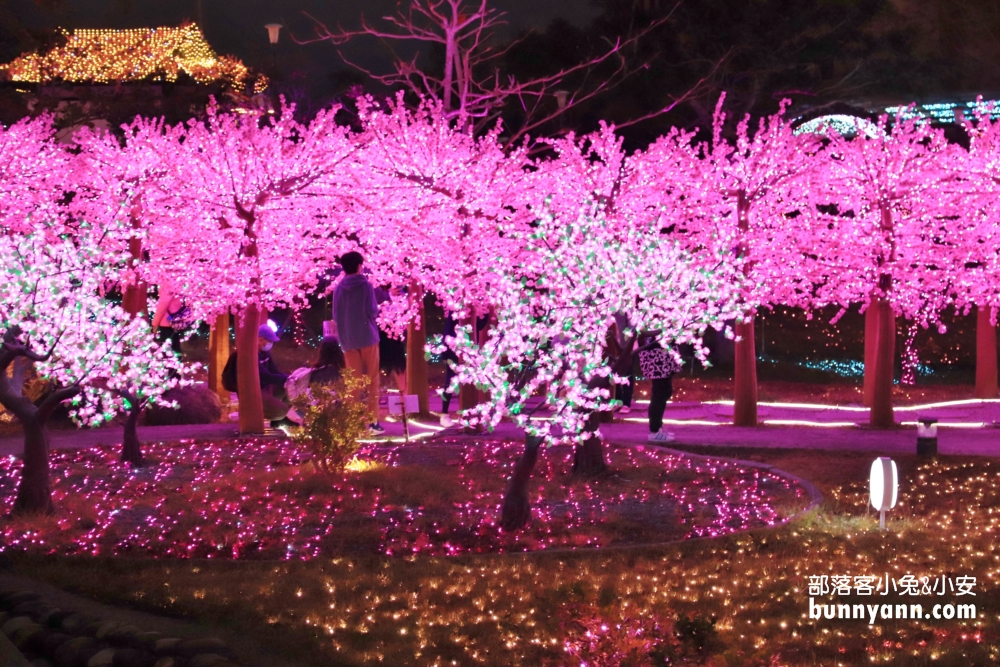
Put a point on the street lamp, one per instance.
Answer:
(272, 31)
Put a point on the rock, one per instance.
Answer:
(90, 629)
(123, 634)
(193, 647)
(102, 658)
(23, 634)
(166, 662)
(74, 623)
(46, 615)
(51, 643)
(31, 608)
(4, 617)
(76, 652)
(56, 619)
(13, 624)
(207, 660)
(147, 640)
(106, 628)
(36, 644)
(130, 657)
(41, 662)
(11, 600)
(166, 646)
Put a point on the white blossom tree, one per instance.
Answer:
(52, 315)
(554, 308)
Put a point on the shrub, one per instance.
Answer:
(334, 419)
(196, 404)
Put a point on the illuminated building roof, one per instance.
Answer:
(138, 54)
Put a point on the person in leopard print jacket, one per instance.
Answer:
(658, 365)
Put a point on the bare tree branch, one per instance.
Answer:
(471, 84)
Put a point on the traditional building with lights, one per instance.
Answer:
(106, 77)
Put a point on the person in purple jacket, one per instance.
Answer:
(355, 309)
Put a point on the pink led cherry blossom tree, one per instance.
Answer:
(33, 171)
(554, 307)
(437, 204)
(111, 174)
(980, 286)
(752, 194)
(52, 316)
(893, 244)
(246, 219)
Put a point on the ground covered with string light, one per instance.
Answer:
(739, 599)
(264, 499)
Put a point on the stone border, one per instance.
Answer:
(54, 637)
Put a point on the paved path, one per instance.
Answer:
(968, 429)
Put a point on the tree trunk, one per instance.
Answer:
(871, 334)
(248, 376)
(131, 451)
(745, 383)
(483, 336)
(34, 495)
(468, 396)
(134, 301)
(218, 355)
(588, 457)
(881, 415)
(516, 510)
(745, 360)
(986, 355)
(416, 364)
(135, 296)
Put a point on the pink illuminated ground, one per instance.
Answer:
(258, 498)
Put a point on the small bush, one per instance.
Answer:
(334, 418)
(196, 404)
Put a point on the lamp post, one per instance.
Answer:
(273, 32)
(927, 443)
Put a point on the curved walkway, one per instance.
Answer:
(969, 428)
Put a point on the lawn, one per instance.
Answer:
(740, 599)
(261, 498)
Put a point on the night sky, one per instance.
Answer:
(236, 26)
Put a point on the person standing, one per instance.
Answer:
(659, 366)
(624, 392)
(171, 319)
(355, 310)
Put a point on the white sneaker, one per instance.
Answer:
(661, 436)
(446, 421)
(624, 410)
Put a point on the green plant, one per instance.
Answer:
(334, 419)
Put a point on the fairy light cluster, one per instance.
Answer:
(244, 499)
(138, 54)
(50, 289)
(553, 311)
(853, 368)
(539, 610)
